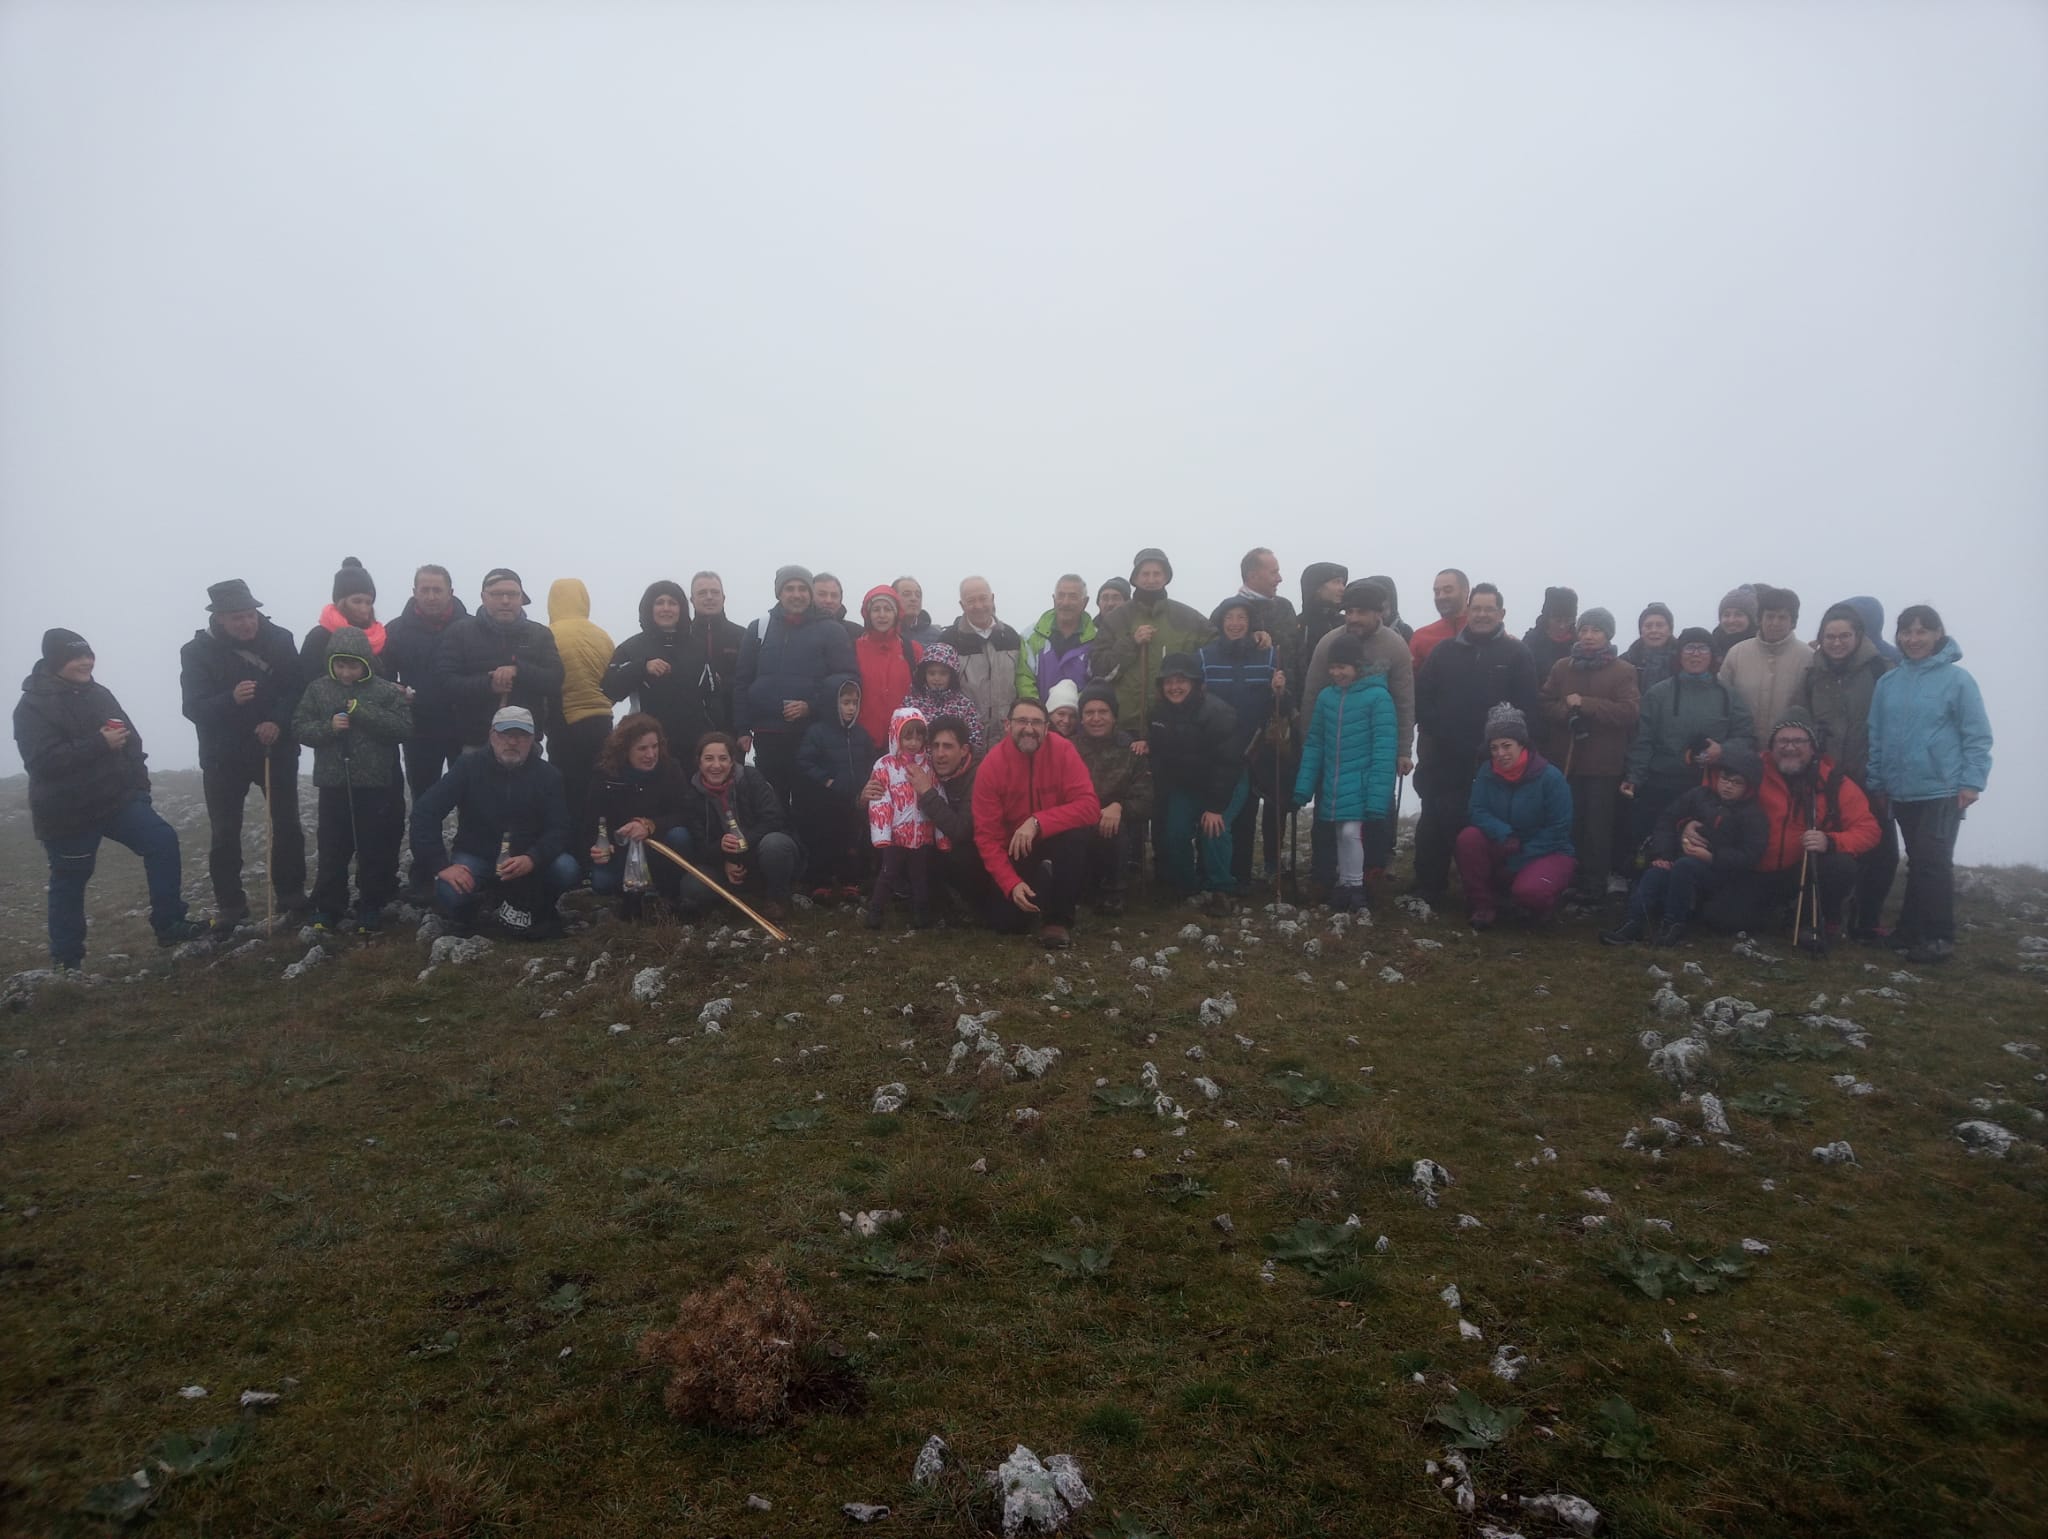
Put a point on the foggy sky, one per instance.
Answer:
(1646, 298)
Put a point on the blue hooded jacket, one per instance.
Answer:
(1872, 612)
(1929, 735)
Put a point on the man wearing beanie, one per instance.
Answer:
(1365, 605)
(1463, 680)
(1654, 652)
(1555, 632)
(1133, 641)
(1123, 787)
(1451, 590)
(413, 648)
(1738, 620)
(1590, 710)
(88, 780)
(1114, 593)
(792, 663)
(1820, 823)
(240, 682)
(1769, 668)
(498, 658)
(354, 603)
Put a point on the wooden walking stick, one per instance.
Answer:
(718, 887)
(1799, 907)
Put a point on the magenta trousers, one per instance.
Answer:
(1483, 871)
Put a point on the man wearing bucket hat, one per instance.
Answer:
(510, 863)
(498, 657)
(240, 681)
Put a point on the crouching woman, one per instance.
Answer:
(639, 792)
(736, 833)
(1518, 846)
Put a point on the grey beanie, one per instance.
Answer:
(1121, 584)
(1657, 608)
(784, 575)
(1505, 721)
(1560, 603)
(1601, 619)
(1743, 598)
(1796, 718)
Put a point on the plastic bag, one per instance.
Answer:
(636, 878)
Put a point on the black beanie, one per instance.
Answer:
(61, 646)
(1561, 604)
(352, 579)
(1365, 594)
(1347, 651)
(1100, 692)
(1695, 636)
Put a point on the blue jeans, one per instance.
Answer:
(71, 862)
(556, 878)
(1184, 828)
(609, 879)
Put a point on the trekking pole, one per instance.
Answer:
(1799, 907)
(269, 851)
(348, 789)
(718, 887)
(1277, 897)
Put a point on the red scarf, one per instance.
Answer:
(1514, 773)
(333, 619)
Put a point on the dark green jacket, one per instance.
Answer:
(1119, 775)
(380, 718)
(1676, 716)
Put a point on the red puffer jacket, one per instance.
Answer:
(1051, 785)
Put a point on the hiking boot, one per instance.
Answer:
(1813, 942)
(920, 919)
(179, 931)
(1216, 905)
(1054, 937)
(228, 920)
(1483, 918)
(1931, 953)
(871, 917)
(1627, 933)
(370, 917)
(1670, 935)
(1110, 908)
(775, 910)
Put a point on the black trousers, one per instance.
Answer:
(1445, 795)
(573, 749)
(899, 863)
(1593, 799)
(1104, 881)
(1880, 870)
(834, 829)
(1930, 829)
(1758, 900)
(426, 761)
(226, 788)
(370, 837)
(775, 758)
(1055, 868)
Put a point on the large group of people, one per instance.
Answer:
(1731, 776)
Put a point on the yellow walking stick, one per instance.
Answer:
(718, 887)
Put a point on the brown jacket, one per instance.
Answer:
(1385, 652)
(1612, 704)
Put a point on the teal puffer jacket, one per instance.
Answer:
(1347, 764)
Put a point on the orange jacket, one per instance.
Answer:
(1845, 815)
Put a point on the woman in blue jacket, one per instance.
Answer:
(1930, 756)
(1518, 846)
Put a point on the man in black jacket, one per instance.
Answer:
(511, 833)
(498, 658)
(720, 640)
(790, 666)
(1464, 678)
(239, 678)
(945, 795)
(88, 780)
(412, 648)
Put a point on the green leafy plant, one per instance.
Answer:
(1475, 1424)
(1778, 1101)
(1304, 1090)
(1178, 1187)
(798, 1119)
(1659, 1274)
(882, 1264)
(1122, 1098)
(1355, 1282)
(958, 1108)
(1317, 1248)
(566, 1301)
(1624, 1433)
(1087, 1261)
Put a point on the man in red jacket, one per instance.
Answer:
(1035, 808)
(1820, 823)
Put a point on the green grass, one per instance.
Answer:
(446, 1217)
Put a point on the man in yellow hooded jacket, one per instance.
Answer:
(585, 710)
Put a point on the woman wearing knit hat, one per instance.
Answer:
(1518, 848)
(88, 780)
(1686, 724)
(1654, 652)
(1555, 631)
(1063, 707)
(1590, 708)
(354, 603)
(1738, 620)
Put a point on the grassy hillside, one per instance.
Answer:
(434, 1215)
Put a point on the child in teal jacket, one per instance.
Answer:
(1347, 765)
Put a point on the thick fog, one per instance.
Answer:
(1645, 298)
